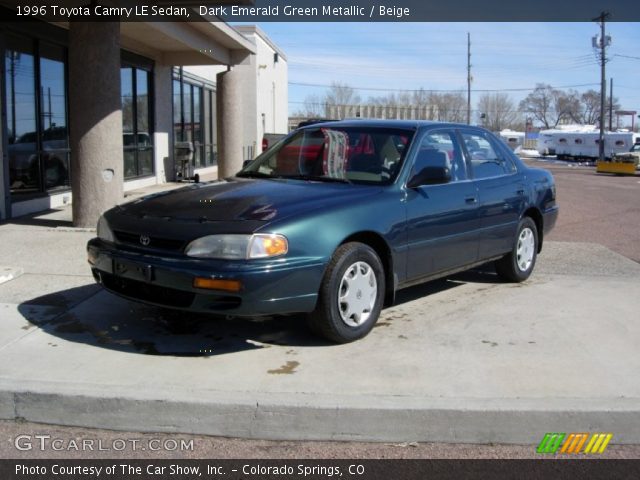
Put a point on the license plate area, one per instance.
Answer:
(133, 270)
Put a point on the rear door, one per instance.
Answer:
(501, 191)
(442, 220)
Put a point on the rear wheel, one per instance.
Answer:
(517, 265)
(351, 295)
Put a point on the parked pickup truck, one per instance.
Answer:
(632, 156)
(270, 139)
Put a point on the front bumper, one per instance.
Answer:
(549, 218)
(276, 286)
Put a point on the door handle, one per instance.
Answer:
(471, 200)
(520, 192)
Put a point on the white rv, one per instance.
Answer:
(582, 142)
(554, 139)
(546, 142)
(586, 145)
(512, 138)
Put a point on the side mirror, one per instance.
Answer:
(246, 162)
(430, 176)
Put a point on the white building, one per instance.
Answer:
(264, 89)
(97, 108)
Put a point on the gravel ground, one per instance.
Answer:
(596, 207)
(230, 448)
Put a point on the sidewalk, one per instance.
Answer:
(467, 359)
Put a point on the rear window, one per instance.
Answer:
(354, 154)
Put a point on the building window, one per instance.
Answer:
(36, 98)
(194, 119)
(137, 122)
(210, 150)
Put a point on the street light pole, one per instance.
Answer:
(468, 78)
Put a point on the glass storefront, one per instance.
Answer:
(193, 119)
(36, 98)
(36, 105)
(136, 122)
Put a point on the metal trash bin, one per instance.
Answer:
(184, 162)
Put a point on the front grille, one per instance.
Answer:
(158, 243)
(147, 292)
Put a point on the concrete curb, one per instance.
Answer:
(470, 361)
(313, 417)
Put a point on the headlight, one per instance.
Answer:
(104, 231)
(238, 247)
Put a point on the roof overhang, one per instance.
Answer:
(187, 43)
(203, 41)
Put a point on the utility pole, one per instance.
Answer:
(468, 78)
(611, 104)
(602, 45)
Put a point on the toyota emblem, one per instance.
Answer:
(145, 240)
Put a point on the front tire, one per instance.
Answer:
(351, 295)
(517, 265)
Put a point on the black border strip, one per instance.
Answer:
(354, 469)
(344, 11)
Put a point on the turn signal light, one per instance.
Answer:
(274, 246)
(233, 286)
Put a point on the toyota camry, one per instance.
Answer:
(331, 222)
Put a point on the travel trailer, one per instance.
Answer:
(583, 143)
(512, 138)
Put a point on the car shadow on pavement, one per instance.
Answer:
(92, 316)
(482, 274)
(101, 319)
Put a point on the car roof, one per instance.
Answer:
(403, 124)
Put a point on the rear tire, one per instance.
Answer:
(351, 295)
(517, 265)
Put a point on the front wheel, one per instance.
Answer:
(517, 265)
(351, 294)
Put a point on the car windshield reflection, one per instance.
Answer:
(341, 155)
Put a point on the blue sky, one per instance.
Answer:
(433, 56)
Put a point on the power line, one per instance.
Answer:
(626, 56)
(402, 106)
(427, 90)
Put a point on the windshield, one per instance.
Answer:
(342, 154)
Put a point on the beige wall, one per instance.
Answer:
(264, 88)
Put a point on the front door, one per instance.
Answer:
(442, 220)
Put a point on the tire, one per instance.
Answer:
(351, 295)
(517, 265)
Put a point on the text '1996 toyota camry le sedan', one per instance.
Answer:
(331, 221)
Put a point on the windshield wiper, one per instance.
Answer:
(317, 178)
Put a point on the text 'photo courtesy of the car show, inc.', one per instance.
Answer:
(250, 239)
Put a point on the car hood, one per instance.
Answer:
(232, 206)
